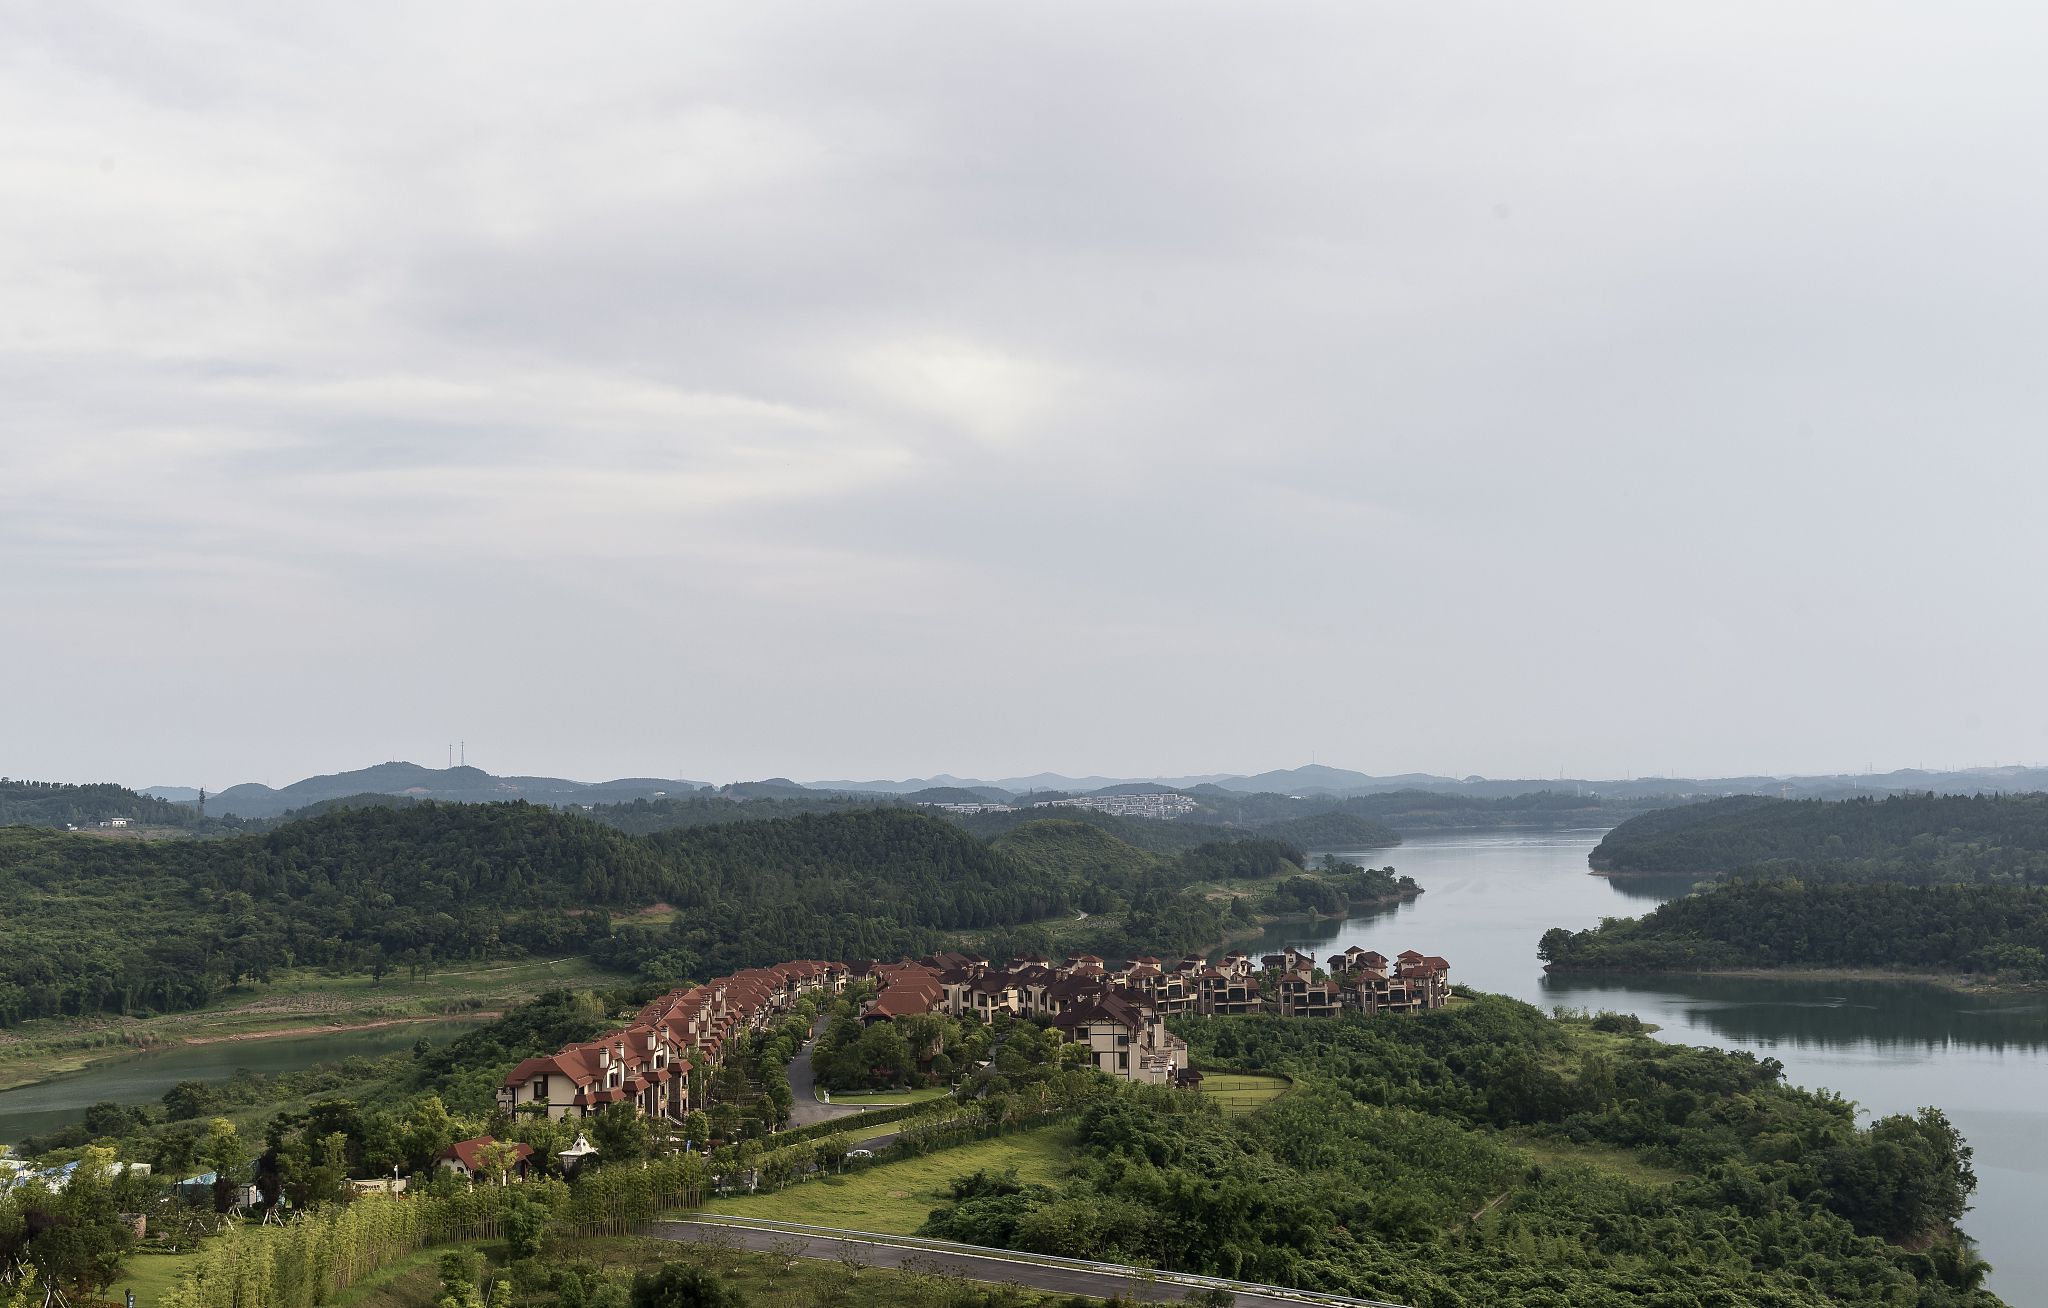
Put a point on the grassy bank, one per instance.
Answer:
(886, 1098)
(772, 1280)
(151, 1277)
(299, 1003)
(1960, 982)
(895, 1198)
(1237, 1093)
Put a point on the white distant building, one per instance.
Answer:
(1163, 807)
(975, 808)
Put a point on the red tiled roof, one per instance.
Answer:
(468, 1153)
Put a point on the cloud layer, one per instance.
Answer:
(882, 389)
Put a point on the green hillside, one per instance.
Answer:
(91, 926)
(1331, 831)
(1922, 839)
(1063, 848)
(1990, 932)
(54, 804)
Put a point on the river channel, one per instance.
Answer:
(1890, 1046)
(143, 1078)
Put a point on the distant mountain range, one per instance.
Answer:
(457, 784)
(474, 785)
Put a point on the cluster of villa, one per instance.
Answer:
(1116, 1011)
(647, 1062)
(1164, 807)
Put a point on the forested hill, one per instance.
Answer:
(1994, 933)
(1921, 839)
(54, 804)
(644, 817)
(90, 925)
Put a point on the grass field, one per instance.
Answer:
(151, 1276)
(895, 1198)
(880, 1098)
(303, 1002)
(1242, 1092)
(767, 1280)
(411, 1282)
(1619, 1162)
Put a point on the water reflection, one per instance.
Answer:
(143, 1078)
(1655, 889)
(1891, 1046)
(1885, 1015)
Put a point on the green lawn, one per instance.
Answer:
(412, 1282)
(879, 1098)
(895, 1198)
(1618, 1162)
(768, 1280)
(151, 1276)
(1242, 1092)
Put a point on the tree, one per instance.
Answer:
(497, 1159)
(189, 1099)
(24, 1294)
(222, 1152)
(525, 1223)
(461, 1274)
(429, 1128)
(679, 1285)
(619, 1132)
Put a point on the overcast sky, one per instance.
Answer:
(857, 390)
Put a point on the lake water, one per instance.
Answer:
(143, 1078)
(1890, 1046)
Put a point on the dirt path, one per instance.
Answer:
(336, 1028)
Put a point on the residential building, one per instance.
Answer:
(466, 1158)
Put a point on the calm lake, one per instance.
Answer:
(1890, 1046)
(143, 1078)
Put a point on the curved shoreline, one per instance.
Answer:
(1624, 873)
(1262, 925)
(482, 1014)
(1961, 983)
(109, 1055)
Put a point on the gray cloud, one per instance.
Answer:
(893, 388)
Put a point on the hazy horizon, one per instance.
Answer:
(732, 391)
(994, 776)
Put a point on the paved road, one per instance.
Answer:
(1100, 1280)
(807, 1110)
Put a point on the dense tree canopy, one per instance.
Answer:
(1388, 1173)
(54, 804)
(1988, 929)
(91, 926)
(1924, 839)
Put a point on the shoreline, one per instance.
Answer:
(1961, 983)
(1262, 925)
(1625, 873)
(339, 1028)
(105, 1055)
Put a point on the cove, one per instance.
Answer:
(143, 1078)
(1892, 1046)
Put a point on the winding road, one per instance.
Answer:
(806, 1109)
